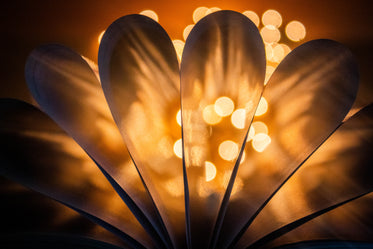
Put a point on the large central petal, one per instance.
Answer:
(222, 71)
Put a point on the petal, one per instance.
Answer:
(139, 73)
(67, 89)
(23, 211)
(341, 169)
(37, 153)
(308, 97)
(222, 72)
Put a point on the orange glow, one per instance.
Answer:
(295, 31)
(238, 118)
(178, 149)
(214, 9)
(210, 116)
(260, 142)
(210, 171)
(272, 17)
(262, 107)
(100, 36)
(151, 14)
(270, 34)
(252, 16)
(224, 106)
(228, 150)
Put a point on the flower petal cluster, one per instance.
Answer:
(105, 143)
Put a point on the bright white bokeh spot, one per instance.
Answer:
(210, 116)
(178, 117)
(262, 107)
(251, 134)
(238, 118)
(228, 150)
(252, 16)
(179, 47)
(187, 30)
(295, 31)
(224, 106)
(210, 171)
(260, 127)
(178, 148)
(199, 13)
(260, 142)
(100, 36)
(272, 17)
(150, 13)
(270, 34)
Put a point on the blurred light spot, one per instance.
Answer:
(251, 134)
(238, 118)
(278, 53)
(199, 13)
(178, 148)
(262, 107)
(272, 17)
(260, 127)
(295, 31)
(260, 142)
(178, 117)
(243, 157)
(269, 51)
(270, 34)
(228, 150)
(187, 31)
(210, 171)
(179, 47)
(224, 106)
(269, 72)
(150, 13)
(252, 16)
(175, 186)
(100, 36)
(286, 49)
(214, 9)
(210, 116)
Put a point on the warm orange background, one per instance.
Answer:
(26, 24)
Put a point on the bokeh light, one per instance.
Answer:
(295, 31)
(271, 18)
(151, 14)
(199, 13)
(228, 150)
(187, 31)
(210, 116)
(252, 16)
(224, 106)
(100, 36)
(178, 117)
(260, 127)
(210, 171)
(178, 148)
(262, 107)
(260, 142)
(238, 118)
(179, 47)
(270, 34)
